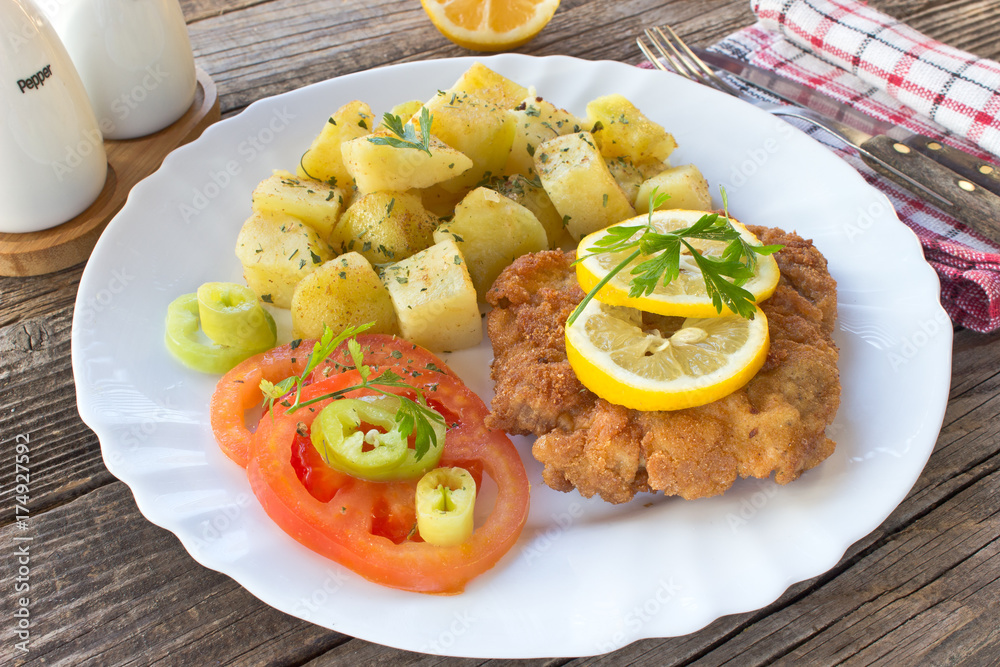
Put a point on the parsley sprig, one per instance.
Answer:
(413, 417)
(406, 134)
(724, 275)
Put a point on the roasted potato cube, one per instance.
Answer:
(313, 202)
(277, 251)
(626, 175)
(479, 129)
(407, 110)
(440, 202)
(491, 231)
(630, 176)
(579, 184)
(345, 291)
(323, 161)
(686, 186)
(482, 82)
(621, 129)
(377, 166)
(530, 194)
(536, 121)
(385, 227)
(434, 299)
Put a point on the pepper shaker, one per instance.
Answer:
(134, 57)
(52, 159)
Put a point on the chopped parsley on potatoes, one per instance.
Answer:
(407, 221)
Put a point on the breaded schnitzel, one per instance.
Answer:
(775, 424)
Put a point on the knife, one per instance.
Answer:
(980, 172)
(929, 180)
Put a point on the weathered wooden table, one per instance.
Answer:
(109, 587)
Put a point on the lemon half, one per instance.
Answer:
(650, 362)
(490, 25)
(684, 296)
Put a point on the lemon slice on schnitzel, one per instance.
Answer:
(651, 362)
(490, 25)
(685, 296)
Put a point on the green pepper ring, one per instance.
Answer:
(182, 325)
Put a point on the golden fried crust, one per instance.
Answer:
(531, 301)
(774, 425)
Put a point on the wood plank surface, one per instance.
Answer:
(108, 587)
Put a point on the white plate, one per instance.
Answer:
(586, 577)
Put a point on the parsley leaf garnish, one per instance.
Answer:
(724, 275)
(406, 134)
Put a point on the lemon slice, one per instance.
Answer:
(684, 296)
(490, 25)
(652, 362)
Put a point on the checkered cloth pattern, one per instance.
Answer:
(953, 88)
(888, 70)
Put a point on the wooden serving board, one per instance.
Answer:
(129, 161)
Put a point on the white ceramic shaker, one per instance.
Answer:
(52, 159)
(134, 57)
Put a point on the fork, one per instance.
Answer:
(677, 57)
(680, 59)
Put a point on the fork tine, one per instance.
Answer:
(675, 64)
(718, 81)
(675, 58)
(681, 59)
(649, 55)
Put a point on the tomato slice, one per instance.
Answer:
(384, 352)
(239, 390)
(368, 526)
(320, 480)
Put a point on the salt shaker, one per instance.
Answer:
(52, 159)
(134, 57)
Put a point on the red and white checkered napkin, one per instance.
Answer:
(890, 71)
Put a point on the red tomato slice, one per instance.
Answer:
(320, 480)
(239, 390)
(365, 525)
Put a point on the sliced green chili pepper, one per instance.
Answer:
(363, 438)
(231, 315)
(446, 498)
(184, 342)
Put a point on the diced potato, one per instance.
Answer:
(530, 194)
(686, 186)
(323, 161)
(440, 202)
(491, 231)
(626, 175)
(630, 176)
(377, 167)
(482, 82)
(578, 182)
(536, 121)
(385, 227)
(624, 130)
(479, 129)
(406, 110)
(315, 203)
(277, 251)
(434, 299)
(345, 291)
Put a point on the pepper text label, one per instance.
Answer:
(36, 80)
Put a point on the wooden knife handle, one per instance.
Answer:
(982, 173)
(966, 202)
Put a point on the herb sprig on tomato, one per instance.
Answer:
(370, 527)
(412, 416)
